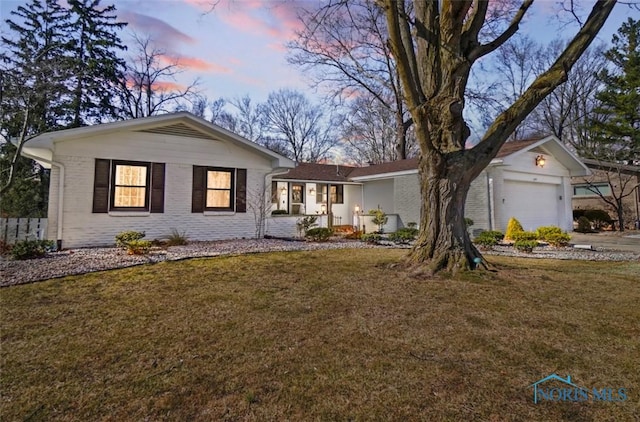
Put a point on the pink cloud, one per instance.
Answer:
(193, 63)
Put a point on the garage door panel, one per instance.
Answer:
(533, 204)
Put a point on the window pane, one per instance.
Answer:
(218, 180)
(129, 197)
(586, 190)
(218, 199)
(131, 175)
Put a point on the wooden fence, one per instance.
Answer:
(13, 230)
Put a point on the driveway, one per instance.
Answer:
(626, 241)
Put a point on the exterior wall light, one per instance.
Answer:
(323, 209)
(312, 191)
(540, 161)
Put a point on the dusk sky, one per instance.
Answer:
(238, 47)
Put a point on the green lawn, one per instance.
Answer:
(334, 335)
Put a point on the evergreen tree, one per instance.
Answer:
(615, 125)
(95, 66)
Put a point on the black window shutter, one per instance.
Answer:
(101, 186)
(197, 195)
(241, 190)
(157, 187)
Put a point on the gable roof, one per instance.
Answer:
(509, 148)
(318, 172)
(176, 124)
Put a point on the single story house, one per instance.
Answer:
(177, 171)
(529, 180)
(613, 180)
(154, 174)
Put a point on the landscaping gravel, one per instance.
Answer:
(81, 261)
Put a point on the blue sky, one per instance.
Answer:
(238, 47)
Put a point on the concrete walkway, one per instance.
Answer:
(626, 241)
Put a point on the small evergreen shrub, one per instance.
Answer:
(558, 239)
(279, 212)
(522, 235)
(513, 227)
(468, 222)
(488, 239)
(138, 247)
(379, 218)
(584, 225)
(598, 218)
(176, 238)
(412, 225)
(123, 238)
(319, 234)
(545, 231)
(28, 249)
(404, 235)
(525, 245)
(374, 238)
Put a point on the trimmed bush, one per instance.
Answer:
(487, 239)
(279, 212)
(525, 245)
(545, 231)
(379, 218)
(584, 225)
(468, 222)
(558, 239)
(319, 234)
(123, 238)
(522, 235)
(374, 238)
(513, 227)
(28, 249)
(138, 247)
(404, 235)
(304, 224)
(598, 218)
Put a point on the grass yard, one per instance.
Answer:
(333, 335)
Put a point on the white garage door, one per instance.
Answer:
(533, 204)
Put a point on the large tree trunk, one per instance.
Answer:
(443, 243)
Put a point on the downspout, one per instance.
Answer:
(492, 222)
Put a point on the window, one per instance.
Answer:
(297, 194)
(219, 189)
(128, 186)
(337, 193)
(592, 189)
(274, 192)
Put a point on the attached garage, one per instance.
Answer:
(534, 204)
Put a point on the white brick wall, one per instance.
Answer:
(477, 205)
(84, 228)
(407, 199)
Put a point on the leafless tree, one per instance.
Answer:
(435, 45)
(150, 84)
(296, 127)
(259, 202)
(343, 46)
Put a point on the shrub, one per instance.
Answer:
(404, 235)
(522, 235)
(123, 238)
(176, 238)
(525, 245)
(379, 218)
(279, 212)
(599, 218)
(28, 249)
(374, 238)
(5, 248)
(412, 225)
(498, 235)
(319, 234)
(138, 247)
(468, 222)
(304, 224)
(513, 226)
(545, 231)
(486, 239)
(584, 225)
(558, 239)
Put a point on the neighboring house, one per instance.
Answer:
(611, 180)
(529, 180)
(155, 174)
